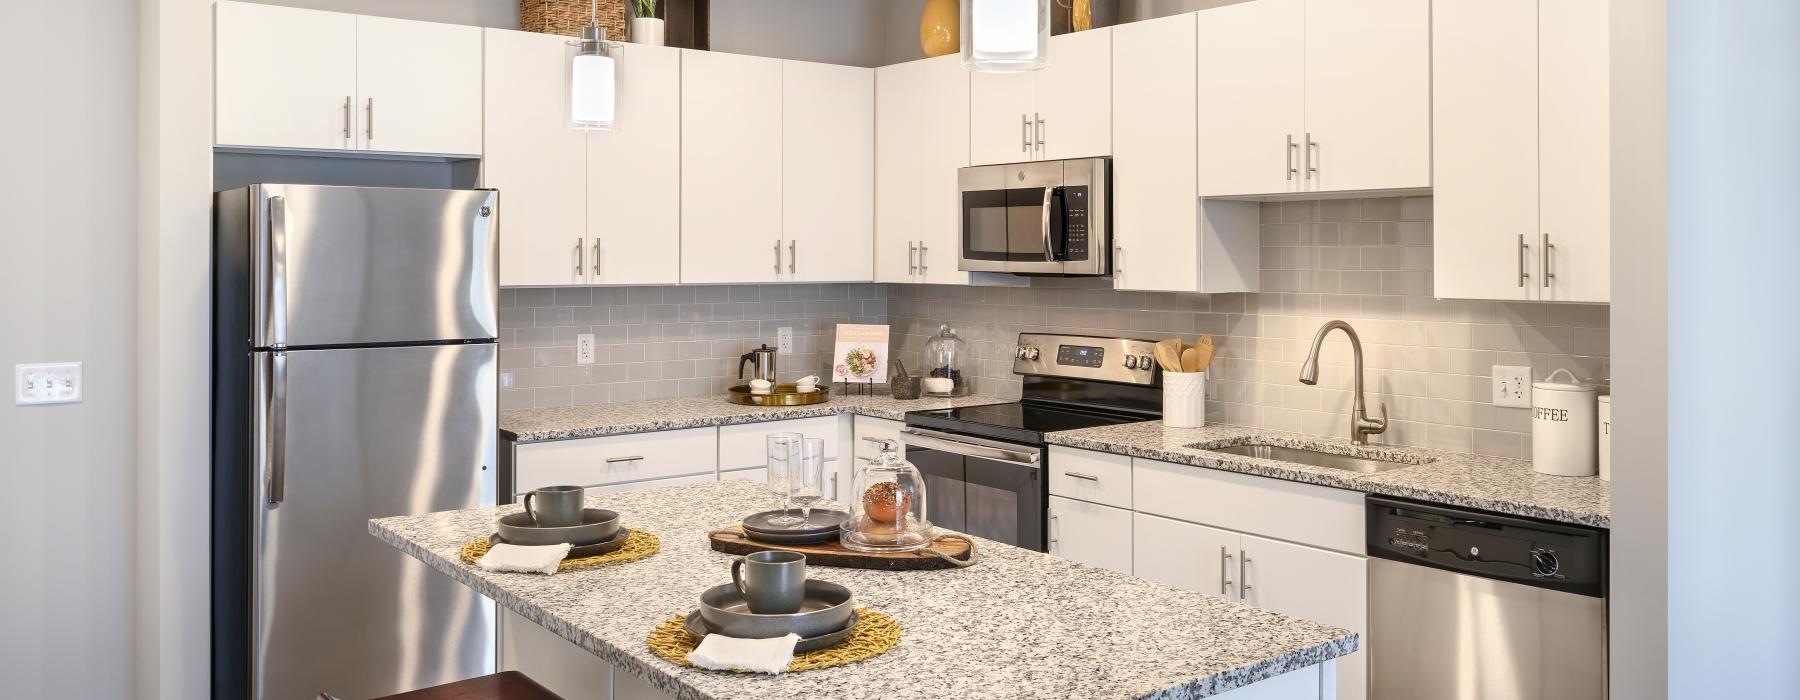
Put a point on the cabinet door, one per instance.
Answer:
(1090, 533)
(1252, 76)
(285, 77)
(1001, 109)
(828, 169)
(1075, 94)
(899, 163)
(730, 168)
(1184, 555)
(534, 159)
(653, 484)
(1368, 94)
(418, 86)
(1316, 585)
(1485, 148)
(1155, 105)
(634, 174)
(1574, 148)
(944, 147)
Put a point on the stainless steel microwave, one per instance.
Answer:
(1044, 218)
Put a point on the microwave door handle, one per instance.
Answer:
(1053, 202)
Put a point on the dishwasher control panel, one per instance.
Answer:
(1518, 550)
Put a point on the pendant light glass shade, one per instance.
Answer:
(1005, 36)
(593, 83)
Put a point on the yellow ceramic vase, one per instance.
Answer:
(940, 28)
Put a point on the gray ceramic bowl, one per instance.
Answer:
(597, 525)
(826, 609)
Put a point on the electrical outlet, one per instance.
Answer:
(584, 348)
(506, 381)
(56, 382)
(784, 340)
(1512, 386)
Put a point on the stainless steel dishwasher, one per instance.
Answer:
(1470, 605)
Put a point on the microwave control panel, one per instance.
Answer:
(1075, 222)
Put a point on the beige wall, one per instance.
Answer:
(481, 13)
(68, 137)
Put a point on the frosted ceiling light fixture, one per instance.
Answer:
(1005, 36)
(593, 79)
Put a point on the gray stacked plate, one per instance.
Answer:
(820, 527)
(598, 528)
(826, 616)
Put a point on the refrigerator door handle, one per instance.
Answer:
(273, 269)
(271, 443)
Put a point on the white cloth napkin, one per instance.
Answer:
(721, 653)
(539, 559)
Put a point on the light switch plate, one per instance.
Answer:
(584, 348)
(784, 340)
(54, 382)
(1512, 386)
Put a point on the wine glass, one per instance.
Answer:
(784, 451)
(807, 475)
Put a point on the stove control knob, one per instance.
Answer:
(1031, 353)
(1131, 362)
(1144, 362)
(1020, 353)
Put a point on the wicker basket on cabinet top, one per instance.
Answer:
(567, 17)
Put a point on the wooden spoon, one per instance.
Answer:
(1168, 354)
(1206, 351)
(1190, 359)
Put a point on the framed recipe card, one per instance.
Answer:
(861, 353)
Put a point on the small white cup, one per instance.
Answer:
(761, 386)
(807, 383)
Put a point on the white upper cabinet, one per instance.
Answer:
(1062, 111)
(284, 77)
(1521, 151)
(304, 79)
(536, 161)
(1156, 208)
(731, 171)
(921, 139)
(828, 171)
(634, 174)
(1252, 79)
(1368, 94)
(1314, 96)
(418, 86)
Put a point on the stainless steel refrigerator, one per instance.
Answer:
(354, 364)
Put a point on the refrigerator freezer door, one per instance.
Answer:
(366, 433)
(364, 265)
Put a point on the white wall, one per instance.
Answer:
(1734, 99)
(67, 135)
(847, 32)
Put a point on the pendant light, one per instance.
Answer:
(1005, 36)
(593, 82)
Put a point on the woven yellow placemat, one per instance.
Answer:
(638, 545)
(875, 633)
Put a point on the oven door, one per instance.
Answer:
(982, 487)
(1011, 217)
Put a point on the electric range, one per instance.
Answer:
(984, 466)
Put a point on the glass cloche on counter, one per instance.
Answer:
(887, 507)
(947, 362)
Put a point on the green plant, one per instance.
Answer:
(646, 8)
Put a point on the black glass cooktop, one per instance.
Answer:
(1021, 422)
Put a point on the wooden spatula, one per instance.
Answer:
(1205, 350)
(1168, 354)
(1190, 359)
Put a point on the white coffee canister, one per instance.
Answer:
(1563, 426)
(1184, 399)
(1606, 438)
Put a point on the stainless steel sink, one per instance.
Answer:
(1312, 457)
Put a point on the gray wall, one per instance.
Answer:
(482, 13)
(848, 32)
(67, 611)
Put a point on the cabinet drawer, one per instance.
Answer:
(1090, 476)
(1092, 534)
(745, 446)
(871, 431)
(1286, 510)
(653, 484)
(617, 458)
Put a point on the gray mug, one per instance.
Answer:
(772, 582)
(555, 506)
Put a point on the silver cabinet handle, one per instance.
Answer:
(912, 257)
(1224, 571)
(1243, 576)
(1079, 475)
(874, 439)
(1040, 132)
(369, 122)
(579, 260)
(1052, 528)
(1311, 169)
(1546, 271)
(1524, 249)
(778, 256)
(1291, 146)
(1025, 133)
(792, 255)
(616, 460)
(346, 117)
(1118, 260)
(596, 259)
(923, 249)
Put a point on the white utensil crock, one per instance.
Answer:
(647, 30)
(1606, 438)
(1184, 399)
(1563, 426)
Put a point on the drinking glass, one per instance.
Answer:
(807, 475)
(784, 451)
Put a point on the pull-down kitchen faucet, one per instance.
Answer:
(1360, 422)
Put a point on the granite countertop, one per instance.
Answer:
(1450, 478)
(1018, 624)
(596, 420)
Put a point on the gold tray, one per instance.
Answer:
(783, 395)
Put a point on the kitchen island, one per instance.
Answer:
(1017, 624)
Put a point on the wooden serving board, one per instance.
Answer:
(733, 541)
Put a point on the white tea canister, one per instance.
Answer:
(1184, 399)
(1563, 426)
(1606, 438)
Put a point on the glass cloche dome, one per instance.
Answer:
(947, 356)
(887, 508)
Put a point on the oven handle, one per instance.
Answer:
(965, 447)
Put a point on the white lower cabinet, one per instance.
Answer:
(654, 483)
(1090, 533)
(1184, 555)
(617, 459)
(1312, 584)
(563, 668)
